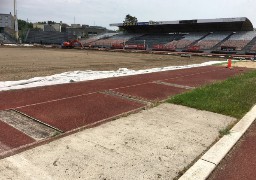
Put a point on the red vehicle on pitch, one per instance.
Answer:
(71, 44)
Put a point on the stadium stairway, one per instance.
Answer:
(26, 37)
(249, 46)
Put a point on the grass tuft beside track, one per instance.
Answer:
(233, 97)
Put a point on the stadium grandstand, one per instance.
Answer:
(57, 33)
(223, 35)
(47, 37)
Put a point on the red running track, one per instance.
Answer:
(68, 113)
(240, 163)
(11, 138)
(72, 113)
(196, 80)
(151, 91)
(17, 98)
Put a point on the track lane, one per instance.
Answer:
(24, 97)
(11, 138)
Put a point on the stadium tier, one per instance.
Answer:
(6, 39)
(240, 39)
(108, 41)
(212, 40)
(188, 40)
(47, 37)
(149, 40)
(97, 37)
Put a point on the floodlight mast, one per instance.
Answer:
(16, 28)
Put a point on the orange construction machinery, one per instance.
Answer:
(71, 44)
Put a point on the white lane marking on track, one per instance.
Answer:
(4, 147)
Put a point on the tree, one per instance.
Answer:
(130, 20)
(24, 24)
(51, 22)
(43, 22)
(23, 28)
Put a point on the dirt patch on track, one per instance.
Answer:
(24, 63)
(247, 64)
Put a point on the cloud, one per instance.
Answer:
(67, 1)
(103, 13)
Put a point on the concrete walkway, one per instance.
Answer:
(238, 164)
(154, 144)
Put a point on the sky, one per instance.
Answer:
(105, 12)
